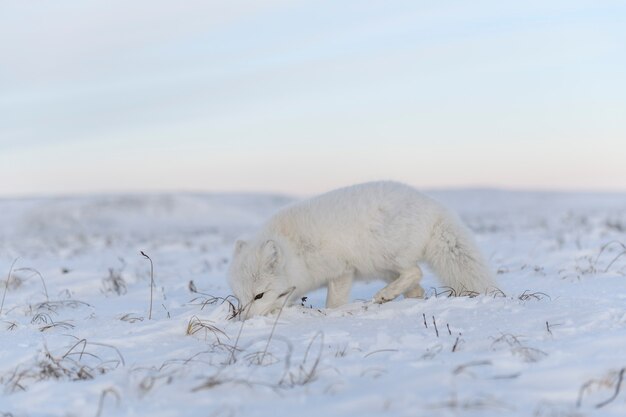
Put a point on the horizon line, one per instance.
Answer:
(268, 192)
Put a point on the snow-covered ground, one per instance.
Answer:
(76, 340)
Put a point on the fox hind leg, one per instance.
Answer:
(407, 283)
(414, 292)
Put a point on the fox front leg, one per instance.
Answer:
(407, 282)
(339, 290)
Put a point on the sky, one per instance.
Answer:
(300, 97)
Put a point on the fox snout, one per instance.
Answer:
(265, 303)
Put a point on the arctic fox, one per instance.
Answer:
(372, 230)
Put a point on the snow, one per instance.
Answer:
(552, 343)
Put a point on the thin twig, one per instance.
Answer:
(379, 351)
(620, 378)
(436, 330)
(104, 394)
(613, 261)
(151, 283)
(605, 246)
(6, 285)
(304, 376)
(456, 343)
(43, 282)
(232, 352)
(269, 339)
(80, 356)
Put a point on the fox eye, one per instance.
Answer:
(259, 296)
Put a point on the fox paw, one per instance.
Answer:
(382, 297)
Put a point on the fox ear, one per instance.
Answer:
(270, 256)
(239, 245)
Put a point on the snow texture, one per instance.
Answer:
(76, 339)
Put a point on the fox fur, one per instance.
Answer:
(374, 230)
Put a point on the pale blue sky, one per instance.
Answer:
(300, 97)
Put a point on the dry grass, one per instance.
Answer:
(114, 283)
(111, 392)
(151, 284)
(451, 292)
(78, 363)
(34, 272)
(205, 300)
(282, 307)
(537, 295)
(528, 354)
(197, 325)
(606, 248)
(612, 380)
(131, 318)
(306, 370)
(465, 368)
(55, 306)
(608, 256)
(6, 286)
(483, 403)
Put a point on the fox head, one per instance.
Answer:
(259, 278)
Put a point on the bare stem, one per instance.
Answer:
(151, 283)
(43, 282)
(6, 285)
(112, 392)
(620, 378)
(269, 339)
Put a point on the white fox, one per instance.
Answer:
(373, 230)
